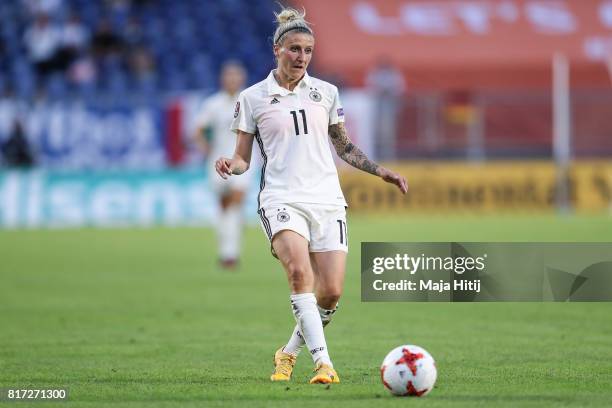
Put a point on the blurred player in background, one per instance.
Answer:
(302, 208)
(214, 138)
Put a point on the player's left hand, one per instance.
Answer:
(394, 178)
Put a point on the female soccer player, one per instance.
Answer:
(301, 206)
(215, 119)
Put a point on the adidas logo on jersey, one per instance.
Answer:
(273, 101)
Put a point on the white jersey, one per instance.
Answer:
(291, 128)
(217, 115)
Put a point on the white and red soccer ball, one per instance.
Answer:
(409, 371)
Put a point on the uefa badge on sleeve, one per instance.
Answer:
(237, 110)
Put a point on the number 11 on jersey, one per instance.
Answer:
(295, 121)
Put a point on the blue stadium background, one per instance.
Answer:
(106, 122)
(113, 99)
(187, 41)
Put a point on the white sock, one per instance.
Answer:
(229, 231)
(296, 341)
(304, 307)
(221, 230)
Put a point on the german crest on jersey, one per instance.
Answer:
(237, 110)
(315, 95)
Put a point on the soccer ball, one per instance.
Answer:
(409, 371)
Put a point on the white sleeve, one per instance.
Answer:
(336, 113)
(243, 116)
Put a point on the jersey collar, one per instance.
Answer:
(275, 89)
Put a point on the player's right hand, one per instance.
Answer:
(223, 166)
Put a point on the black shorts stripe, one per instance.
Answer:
(266, 223)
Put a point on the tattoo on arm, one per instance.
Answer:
(348, 152)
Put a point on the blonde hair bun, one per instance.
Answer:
(288, 15)
(290, 19)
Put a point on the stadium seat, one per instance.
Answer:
(191, 35)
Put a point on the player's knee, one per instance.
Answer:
(298, 275)
(329, 299)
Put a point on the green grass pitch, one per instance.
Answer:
(143, 318)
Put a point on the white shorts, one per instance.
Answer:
(221, 187)
(323, 225)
